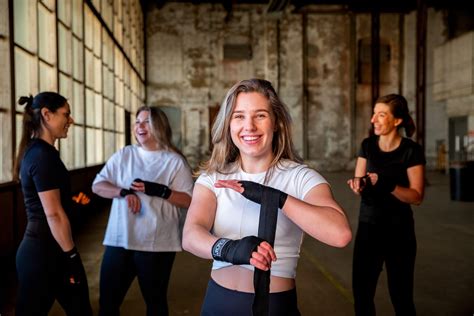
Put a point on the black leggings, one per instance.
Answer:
(42, 277)
(394, 245)
(222, 301)
(121, 266)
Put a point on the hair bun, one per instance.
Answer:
(28, 100)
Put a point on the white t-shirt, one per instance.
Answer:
(157, 226)
(238, 217)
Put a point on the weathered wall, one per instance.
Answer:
(328, 90)
(318, 77)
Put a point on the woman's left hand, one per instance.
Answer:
(264, 255)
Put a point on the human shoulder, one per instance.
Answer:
(298, 171)
(124, 152)
(413, 152)
(370, 141)
(411, 143)
(39, 150)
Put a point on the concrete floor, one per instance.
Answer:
(444, 282)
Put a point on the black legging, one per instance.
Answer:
(222, 301)
(42, 278)
(121, 266)
(394, 245)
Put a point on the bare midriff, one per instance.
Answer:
(241, 279)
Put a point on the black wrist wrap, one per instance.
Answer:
(235, 251)
(125, 192)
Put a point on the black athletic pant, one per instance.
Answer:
(221, 301)
(394, 245)
(121, 266)
(42, 278)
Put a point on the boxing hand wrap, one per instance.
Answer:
(125, 192)
(235, 251)
(385, 184)
(75, 269)
(155, 189)
(254, 192)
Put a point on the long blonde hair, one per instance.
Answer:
(225, 153)
(160, 128)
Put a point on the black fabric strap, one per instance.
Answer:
(266, 230)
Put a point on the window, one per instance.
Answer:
(63, 46)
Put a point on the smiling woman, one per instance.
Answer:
(251, 205)
(48, 263)
(389, 177)
(149, 183)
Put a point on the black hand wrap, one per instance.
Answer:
(235, 251)
(254, 192)
(384, 184)
(155, 189)
(75, 269)
(125, 192)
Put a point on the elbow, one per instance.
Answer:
(344, 238)
(187, 201)
(418, 199)
(94, 189)
(186, 243)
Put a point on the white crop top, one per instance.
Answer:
(238, 217)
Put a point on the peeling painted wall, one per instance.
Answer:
(328, 90)
(330, 108)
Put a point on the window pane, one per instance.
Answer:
(88, 27)
(47, 35)
(107, 13)
(120, 141)
(65, 86)
(25, 21)
(108, 83)
(26, 74)
(89, 69)
(79, 153)
(6, 146)
(48, 77)
(109, 144)
(97, 38)
(78, 103)
(97, 74)
(77, 17)
(89, 107)
(50, 4)
(109, 115)
(99, 146)
(118, 63)
(65, 49)
(64, 12)
(98, 110)
(6, 162)
(19, 124)
(118, 91)
(66, 149)
(91, 146)
(119, 119)
(78, 59)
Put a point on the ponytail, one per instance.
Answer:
(409, 125)
(31, 127)
(399, 108)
